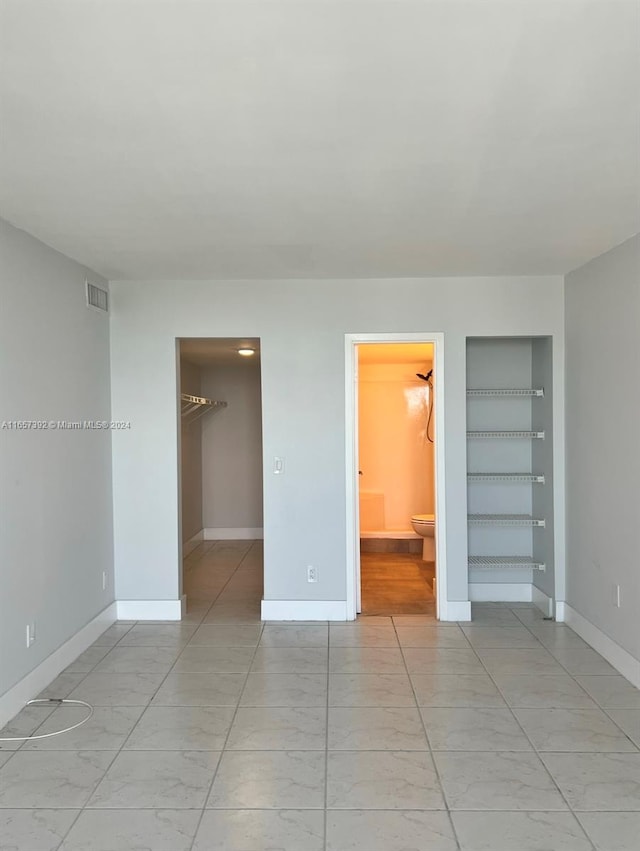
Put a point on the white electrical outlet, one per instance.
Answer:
(616, 596)
(104, 580)
(312, 573)
(31, 633)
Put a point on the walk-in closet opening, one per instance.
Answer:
(220, 461)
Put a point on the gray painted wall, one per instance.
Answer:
(232, 447)
(602, 455)
(301, 325)
(191, 457)
(55, 499)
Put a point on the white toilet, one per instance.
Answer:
(425, 525)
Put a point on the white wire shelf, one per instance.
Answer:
(518, 562)
(514, 391)
(194, 407)
(531, 478)
(506, 435)
(504, 520)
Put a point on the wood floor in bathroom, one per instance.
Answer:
(396, 584)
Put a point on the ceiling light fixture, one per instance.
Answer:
(246, 353)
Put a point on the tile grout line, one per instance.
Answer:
(428, 741)
(233, 718)
(477, 652)
(115, 752)
(97, 783)
(536, 752)
(574, 677)
(119, 751)
(235, 570)
(326, 744)
(146, 707)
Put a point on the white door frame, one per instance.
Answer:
(351, 465)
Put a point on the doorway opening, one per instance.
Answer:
(220, 461)
(395, 472)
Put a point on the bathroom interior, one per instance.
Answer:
(396, 467)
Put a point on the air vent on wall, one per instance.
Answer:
(97, 298)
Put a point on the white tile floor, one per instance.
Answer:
(389, 734)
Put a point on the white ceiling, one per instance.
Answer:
(218, 351)
(321, 138)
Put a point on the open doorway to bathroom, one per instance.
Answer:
(396, 491)
(220, 459)
(394, 430)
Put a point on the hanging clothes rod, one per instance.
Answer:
(194, 407)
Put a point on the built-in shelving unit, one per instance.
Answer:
(194, 407)
(508, 476)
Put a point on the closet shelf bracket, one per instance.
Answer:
(194, 407)
(521, 562)
(515, 391)
(537, 478)
(504, 520)
(506, 435)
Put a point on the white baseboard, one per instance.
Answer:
(336, 610)
(542, 601)
(190, 545)
(499, 592)
(455, 610)
(149, 610)
(304, 610)
(616, 655)
(229, 534)
(30, 686)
